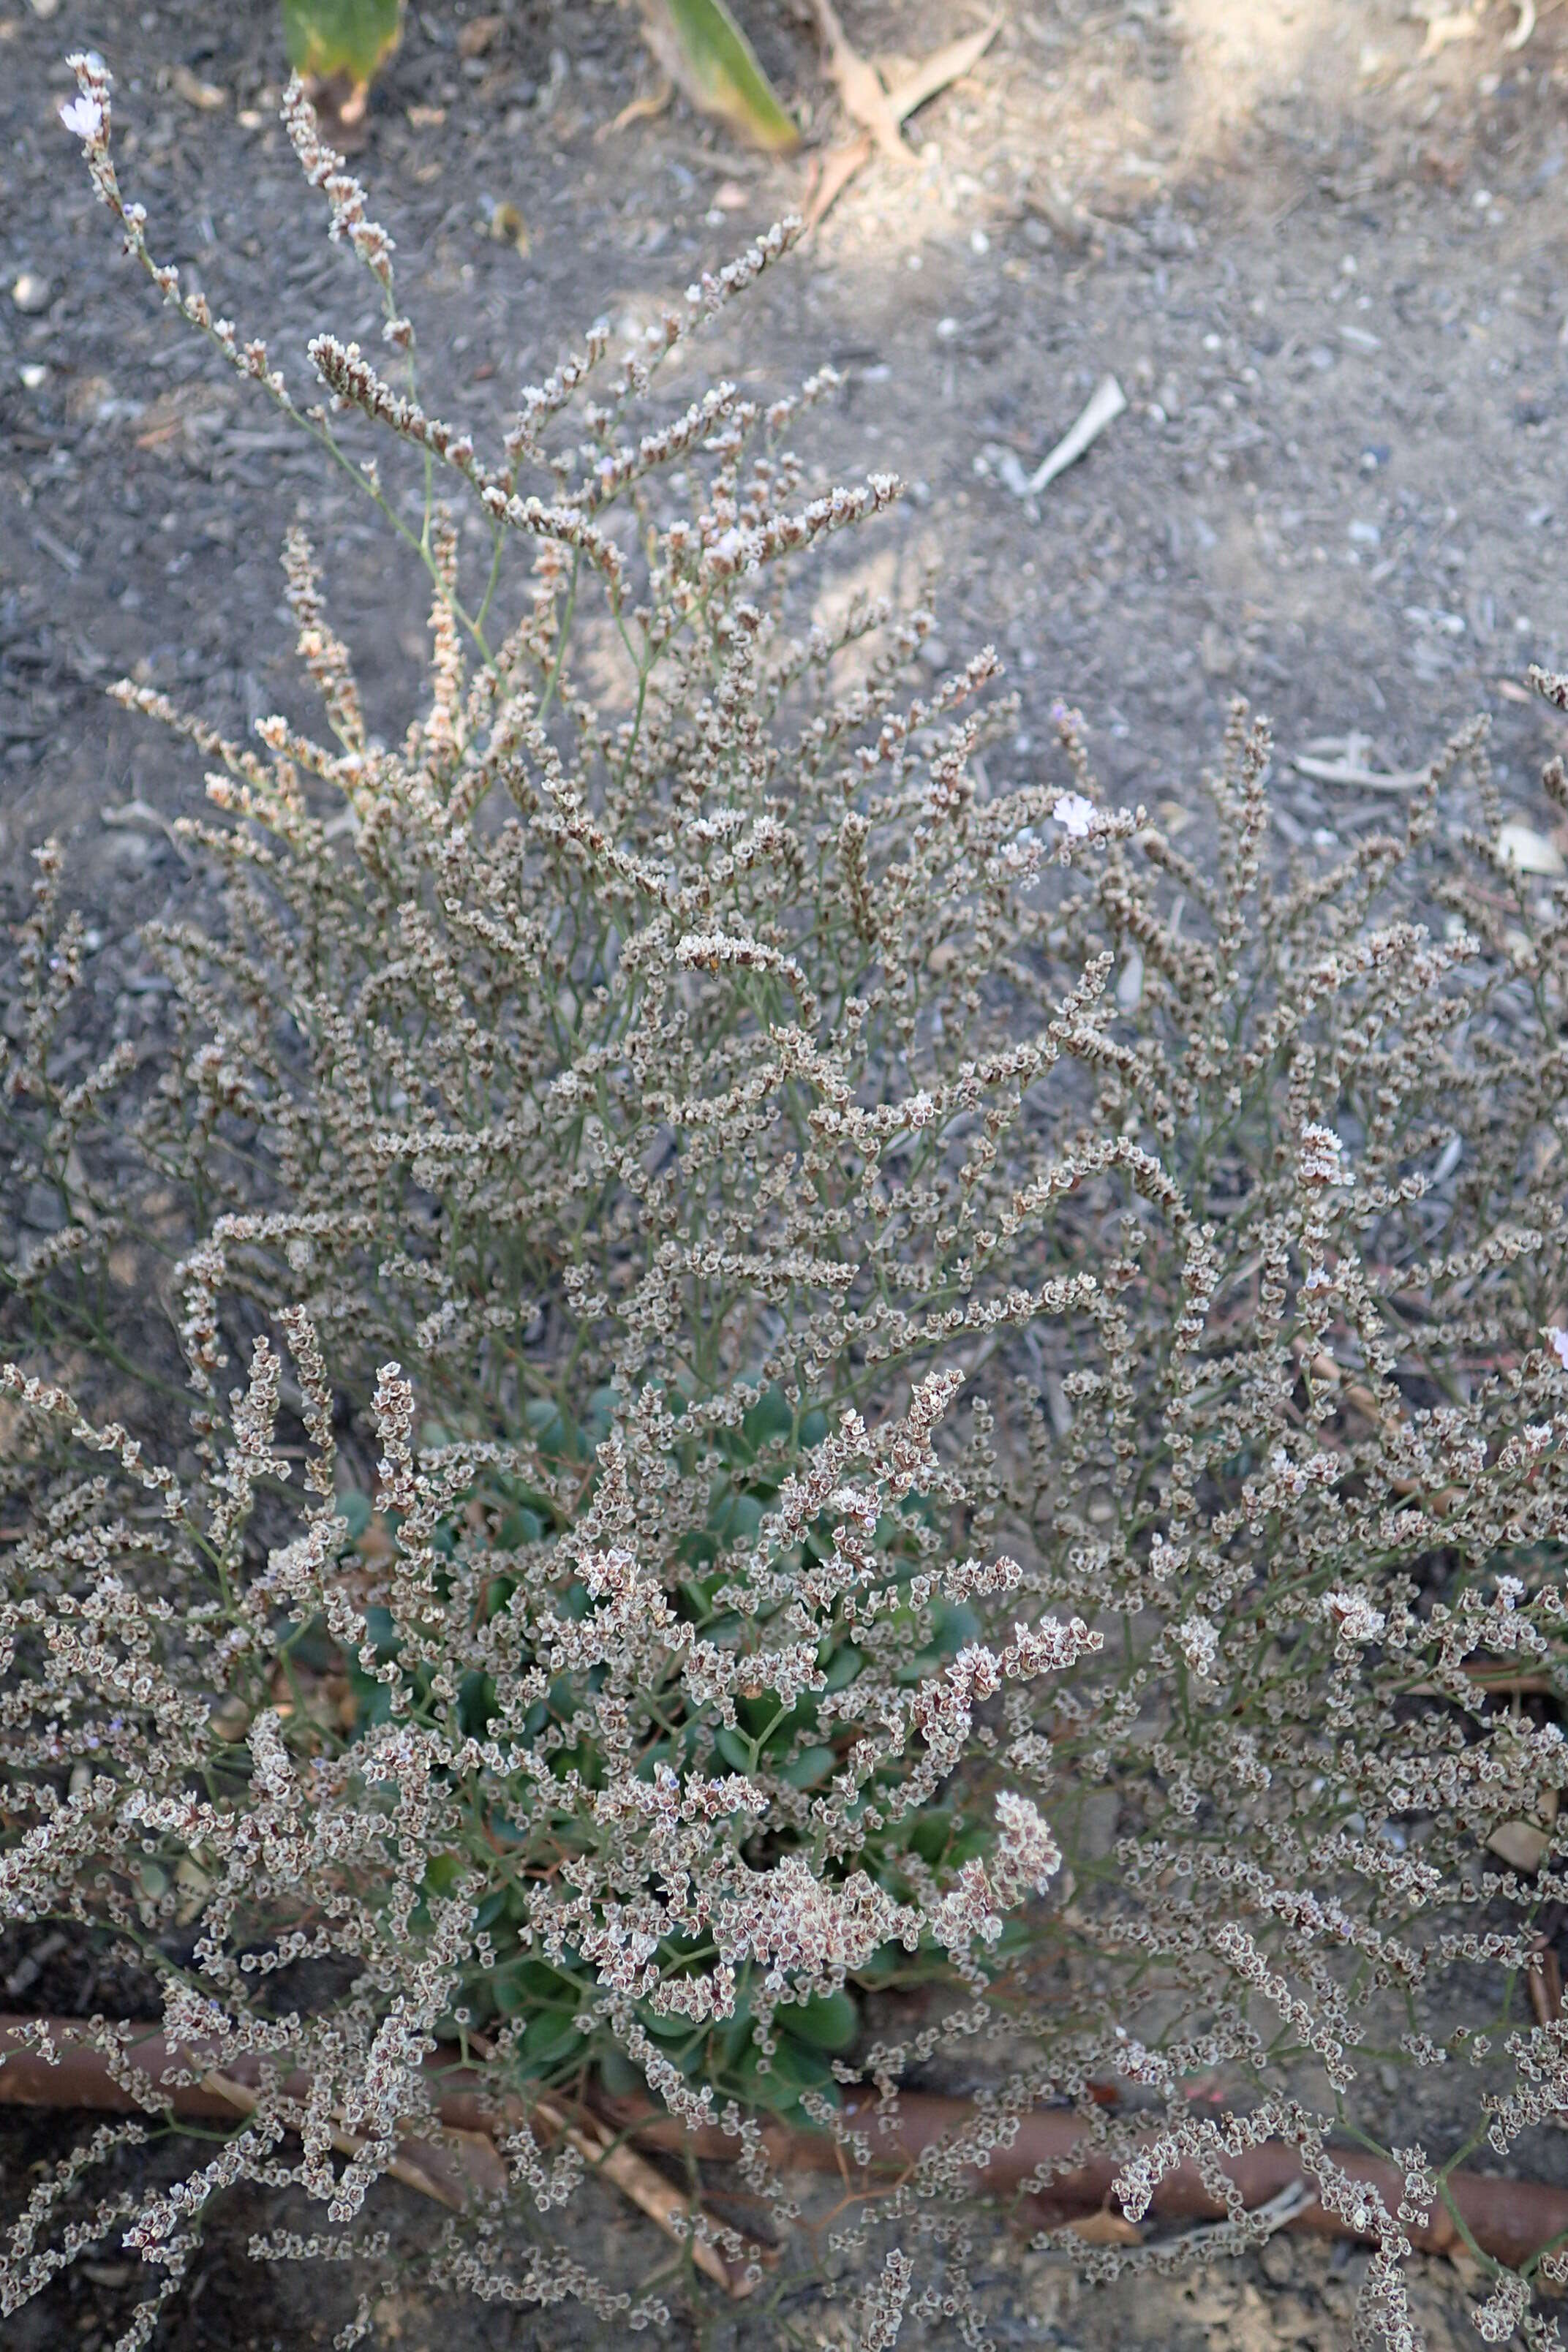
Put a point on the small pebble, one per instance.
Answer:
(31, 292)
(41, 1209)
(35, 375)
(1277, 2261)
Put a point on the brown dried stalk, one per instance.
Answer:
(464, 2164)
(1543, 1982)
(1511, 2221)
(615, 2161)
(430, 2170)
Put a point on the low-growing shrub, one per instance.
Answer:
(972, 1408)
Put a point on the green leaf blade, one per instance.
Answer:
(717, 66)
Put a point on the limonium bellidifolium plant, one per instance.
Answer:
(972, 1409)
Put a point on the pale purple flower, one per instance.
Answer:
(1557, 1340)
(83, 118)
(1077, 813)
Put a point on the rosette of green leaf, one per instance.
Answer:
(510, 1516)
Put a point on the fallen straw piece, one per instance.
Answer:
(617, 2162)
(1347, 772)
(1105, 403)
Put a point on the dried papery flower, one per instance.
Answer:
(83, 118)
(779, 1397)
(881, 2312)
(1075, 813)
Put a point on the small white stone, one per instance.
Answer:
(35, 376)
(30, 292)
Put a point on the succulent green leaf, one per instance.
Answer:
(354, 1509)
(550, 2037)
(829, 2022)
(342, 37)
(717, 67)
(770, 1421)
(812, 1765)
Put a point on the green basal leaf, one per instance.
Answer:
(829, 2022)
(811, 1768)
(722, 76)
(342, 37)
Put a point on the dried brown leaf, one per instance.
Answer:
(860, 84)
(834, 170)
(1521, 1845)
(943, 67)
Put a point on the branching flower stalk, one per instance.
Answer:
(901, 1320)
